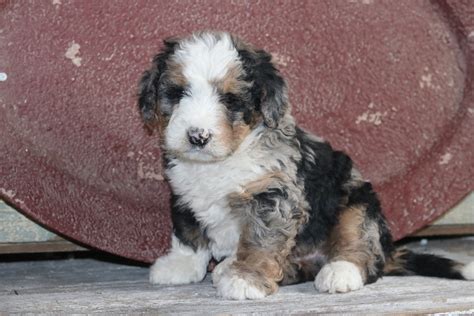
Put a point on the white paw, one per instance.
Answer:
(175, 270)
(220, 269)
(468, 271)
(181, 266)
(232, 286)
(237, 288)
(339, 276)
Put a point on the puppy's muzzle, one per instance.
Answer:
(198, 136)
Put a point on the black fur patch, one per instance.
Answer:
(238, 106)
(324, 172)
(427, 265)
(185, 226)
(268, 91)
(174, 93)
(149, 92)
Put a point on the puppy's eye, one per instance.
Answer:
(175, 93)
(232, 101)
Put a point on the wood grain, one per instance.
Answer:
(60, 245)
(446, 230)
(97, 286)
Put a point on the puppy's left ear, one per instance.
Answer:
(271, 90)
(148, 95)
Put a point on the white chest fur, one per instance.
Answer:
(205, 188)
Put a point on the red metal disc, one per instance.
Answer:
(391, 83)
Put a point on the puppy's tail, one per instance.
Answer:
(406, 262)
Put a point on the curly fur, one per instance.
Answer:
(278, 204)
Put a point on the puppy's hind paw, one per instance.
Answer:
(339, 277)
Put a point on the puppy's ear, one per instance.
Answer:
(269, 88)
(148, 95)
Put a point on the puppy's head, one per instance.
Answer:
(206, 93)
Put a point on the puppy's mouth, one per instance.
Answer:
(198, 154)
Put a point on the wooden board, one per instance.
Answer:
(59, 245)
(446, 230)
(98, 286)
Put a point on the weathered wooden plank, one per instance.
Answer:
(390, 295)
(446, 230)
(97, 286)
(37, 247)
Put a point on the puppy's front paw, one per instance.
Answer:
(238, 288)
(175, 269)
(233, 285)
(339, 276)
(181, 266)
(221, 269)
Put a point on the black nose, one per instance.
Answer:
(199, 136)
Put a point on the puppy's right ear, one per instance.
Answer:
(148, 95)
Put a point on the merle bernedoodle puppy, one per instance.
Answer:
(273, 203)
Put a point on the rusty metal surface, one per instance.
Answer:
(389, 82)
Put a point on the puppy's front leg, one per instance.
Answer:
(189, 255)
(269, 225)
(181, 265)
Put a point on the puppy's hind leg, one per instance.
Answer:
(355, 254)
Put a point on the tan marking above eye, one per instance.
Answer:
(232, 82)
(175, 74)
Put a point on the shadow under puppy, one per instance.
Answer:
(274, 204)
